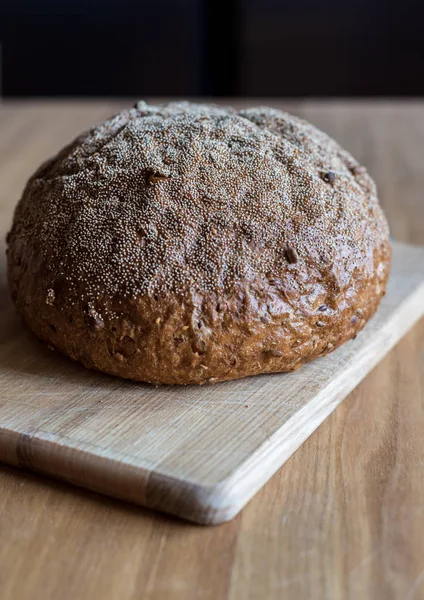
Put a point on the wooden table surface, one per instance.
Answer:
(343, 518)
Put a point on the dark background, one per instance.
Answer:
(212, 48)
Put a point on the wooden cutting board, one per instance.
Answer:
(198, 452)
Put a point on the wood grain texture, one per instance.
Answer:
(343, 518)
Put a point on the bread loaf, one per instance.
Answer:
(188, 243)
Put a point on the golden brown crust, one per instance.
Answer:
(267, 286)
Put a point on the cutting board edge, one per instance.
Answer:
(105, 475)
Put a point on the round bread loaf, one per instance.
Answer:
(190, 243)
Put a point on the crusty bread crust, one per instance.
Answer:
(191, 244)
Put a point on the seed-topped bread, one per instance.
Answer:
(188, 243)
